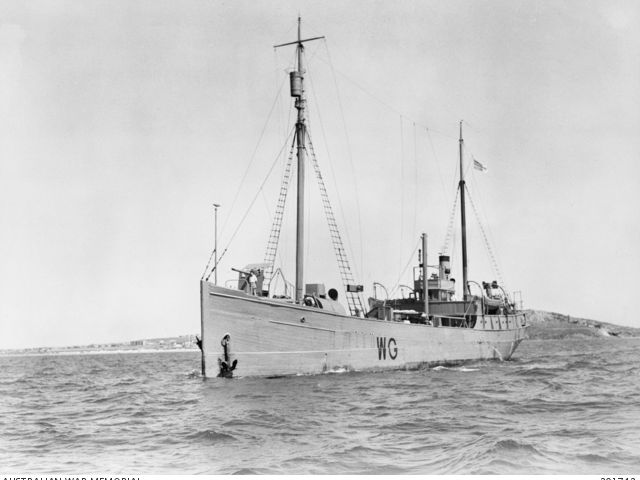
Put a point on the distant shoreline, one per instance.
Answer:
(182, 343)
(94, 352)
(542, 325)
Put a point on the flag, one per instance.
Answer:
(478, 166)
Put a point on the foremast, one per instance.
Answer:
(297, 91)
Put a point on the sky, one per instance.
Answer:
(122, 122)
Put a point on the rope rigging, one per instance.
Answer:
(213, 252)
(253, 200)
(492, 257)
(276, 227)
(411, 257)
(450, 226)
(353, 299)
(401, 190)
(415, 182)
(349, 154)
(253, 155)
(341, 208)
(382, 102)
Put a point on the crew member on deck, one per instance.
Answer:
(253, 280)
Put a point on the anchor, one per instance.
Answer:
(226, 370)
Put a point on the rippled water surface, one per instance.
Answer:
(557, 407)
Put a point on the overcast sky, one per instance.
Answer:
(122, 122)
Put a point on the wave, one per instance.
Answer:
(338, 370)
(550, 412)
(245, 471)
(455, 369)
(210, 436)
(194, 374)
(514, 445)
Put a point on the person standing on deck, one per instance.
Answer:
(253, 280)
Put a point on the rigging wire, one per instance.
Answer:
(255, 197)
(276, 226)
(333, 174)
(455, 183)
(276, 71)
(353, 299)
(450, 226)
(415, 181)
(281, 257)
(308, 222)
(386, 105)
(411, 257)
(266, 204)
(208, 264)
(282, 128)
(492, 257)
(401, 192)
(490, 235)
(253, 156)
(307, 219)
(276, 103)
(350, 156)
(435, 155)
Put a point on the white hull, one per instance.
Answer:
(271, 338)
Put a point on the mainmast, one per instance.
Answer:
(297, 91)
(461, 186)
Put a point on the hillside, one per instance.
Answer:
(551, 325)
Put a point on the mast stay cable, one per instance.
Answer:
(492, 257)
(276, 227)
(411, 257)
(335, 182)
(246, 213)
(213, 252)
(415, 181)
(401, 192)
(350, 155)
(449, 235)
(253, 155)
(435, 156)
(353, 299)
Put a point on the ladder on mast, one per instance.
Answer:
(301, 135)
(276, 227)
(353, 299)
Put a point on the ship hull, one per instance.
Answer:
(267, 337)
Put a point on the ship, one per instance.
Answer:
(249, 331)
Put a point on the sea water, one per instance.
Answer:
(570, 406)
